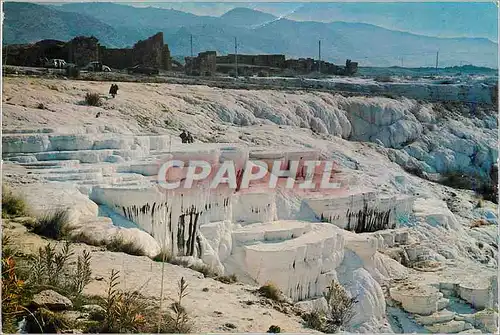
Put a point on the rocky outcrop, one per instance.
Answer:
(51, 300)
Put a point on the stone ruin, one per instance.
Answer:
(150, 52)
(81, 50)
(33, 54)
(202, 65)
(207, 63)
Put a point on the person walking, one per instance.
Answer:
(113, 90)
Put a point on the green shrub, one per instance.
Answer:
(339, 313)
(274, 329)
(12, 205)
(340, 308)
(53, 268)
(54, 225)
(314, 320)
(270, 291)
(93, 99)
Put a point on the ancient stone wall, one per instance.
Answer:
(33, 54)
(82, 50)
(117, 58)
(256, 60)
(150, 52)
(202, 65)
(166, 60)
(301, 65)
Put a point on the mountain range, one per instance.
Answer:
(118, 25)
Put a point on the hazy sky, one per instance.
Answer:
(442, 19)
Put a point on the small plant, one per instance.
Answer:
(54, 225)
(12, 293)
(118, 244)
(93, 99)
(179, 262)
(227, 279)
(340, 308)
(128, 312)
(12, 205)
(163, 256)
(177, 321)
(274, 329)
(52, 268)
(111, 300)
(270, 291)
(40, 106)
(204, 269)
(339, 313)
(7, 251)
(314, 319)
(82, 274)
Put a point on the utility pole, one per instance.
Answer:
(319, 56)
(437, 60)
(236, 56)
(192, 56)
(191, 45)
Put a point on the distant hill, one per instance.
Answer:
(246, 17)
(257, 32)
(28, 23)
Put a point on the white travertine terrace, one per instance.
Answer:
(391, 239)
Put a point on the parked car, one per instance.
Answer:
(143, 70)
(55, 63)
(96, 66)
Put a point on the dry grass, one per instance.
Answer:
(53, 225)
(339, 314)
(129, 312)
(12, 205)
(270, 291)
(118, 244)
(204, 269)
(231, 279)
(93, 99)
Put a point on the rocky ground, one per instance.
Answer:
(213, 306)
(440, 277)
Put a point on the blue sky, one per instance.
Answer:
(440, 19)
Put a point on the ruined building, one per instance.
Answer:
(202, 65)
(207, 63)
(151, 52)
(81, 50)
